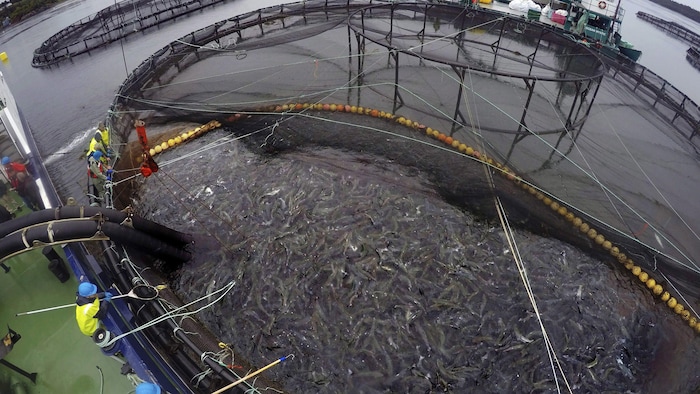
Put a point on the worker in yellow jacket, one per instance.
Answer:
(89, 310)
(100, 142)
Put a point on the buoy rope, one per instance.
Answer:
(590, 174)
(499, 168)
(176, 312)
(541, 195)
(551, 353)
(517, 258)
(658, 191)
(647, 223)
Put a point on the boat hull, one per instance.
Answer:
(633, 54)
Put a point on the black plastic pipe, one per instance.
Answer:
(70, 230)
(110, 215)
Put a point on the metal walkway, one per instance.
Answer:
(111, 24)
(673, 28)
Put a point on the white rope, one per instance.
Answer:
(551, 353)
(170, 314)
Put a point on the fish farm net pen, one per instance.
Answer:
(358, 148)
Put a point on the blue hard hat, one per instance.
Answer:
(86, 289)
(5, 160)
(147, 388)
(97, 155)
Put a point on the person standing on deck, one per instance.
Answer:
(99, 176)
(23, 183)
(89, 310)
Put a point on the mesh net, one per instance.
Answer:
(110, 25)
(503, 118)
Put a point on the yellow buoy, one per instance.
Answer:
(157, 149)
(3, 56)
(672, 302)
(614, 251)
(679, 308)
(171, 142)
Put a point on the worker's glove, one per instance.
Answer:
(108, 296)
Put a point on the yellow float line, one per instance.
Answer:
(191, 134)
(577, 222)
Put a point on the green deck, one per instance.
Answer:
(64, 359)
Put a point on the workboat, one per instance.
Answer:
(46, 251)
(595, 23)
(39, 285)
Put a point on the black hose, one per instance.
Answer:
(79, 230)
(110, 215)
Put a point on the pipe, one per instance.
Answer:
(77, 230)
(156, 230)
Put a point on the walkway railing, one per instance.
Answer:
(111, 24)
(672, 28)
(673, 104)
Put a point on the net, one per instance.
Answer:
(499, 116)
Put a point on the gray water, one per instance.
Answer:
(63, 104)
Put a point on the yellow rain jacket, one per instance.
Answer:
(85, 316)
(97, 145)
(105, 136)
